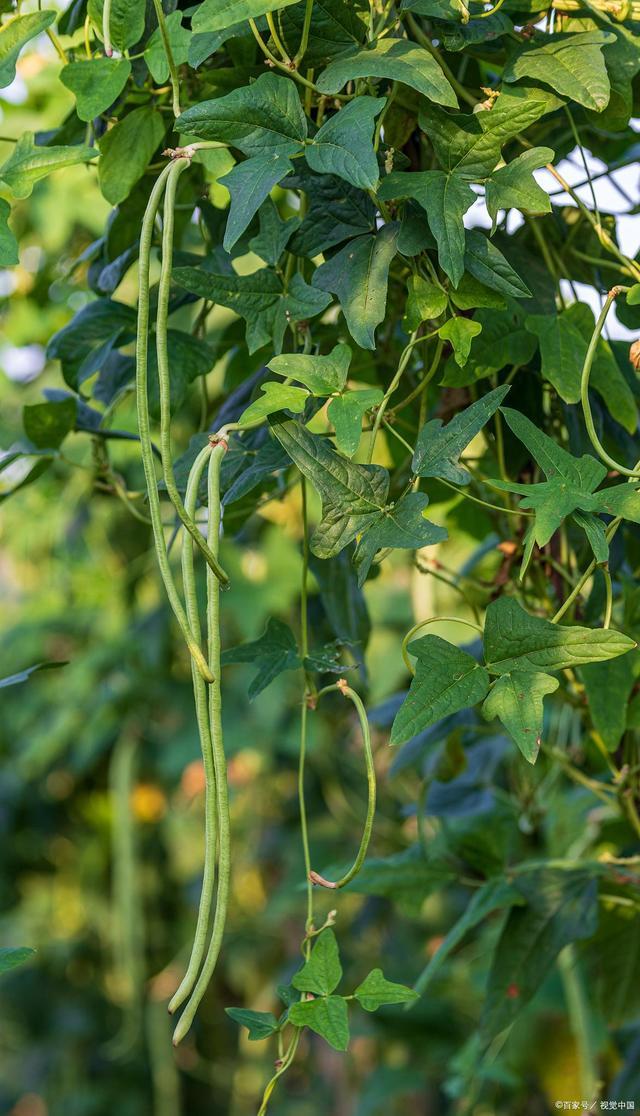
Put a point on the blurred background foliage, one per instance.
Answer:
(101, 787)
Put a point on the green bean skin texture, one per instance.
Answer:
(315, 878)
(202, 716)
(219, 759)
(164, 378)
(144, 429)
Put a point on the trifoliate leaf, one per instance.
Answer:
(445, 199)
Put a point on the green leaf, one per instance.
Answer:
(514, 187)
(569, 489)
(460, 332)
(85, 342)
(8, 243)
(321, 374)
(445, 199)
(274, 233)
(336, 212)
(344, 144)
(401, 526)
(376, 991)
(217, 15)
(564, 339)
(514, 640)
(260, 1024)
(264, 116)
(633, 295)
(322, 973)
(155, 54)
(47, 424)
(438, 447)
(470, 293)
(438, 9)
(24, 676)
(608, 687)
(425, 300)
(327, 1016)
(346, 412)
(249, 183)
(561, 907)
(336, 25)
(95, 83)
(275, 397)
(11, 957)
(516, 700)
(353, 496)
(127, 150)
(274, 652)
(397, 60)
(358, 274)
(571, 64)
(487, 264)
(14, 35)
(446, 680)
(494, 896)
(126, 20)
(503, 341)
(28, 163)
(470, 145)
(259, 298)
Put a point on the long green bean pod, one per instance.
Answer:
(202, 715)
(219, 759)
(164, 379)
(144, 428)
(315, 877)
(106, 30)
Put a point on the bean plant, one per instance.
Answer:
(341, 233)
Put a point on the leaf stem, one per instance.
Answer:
(304, 39)
(173, 69)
